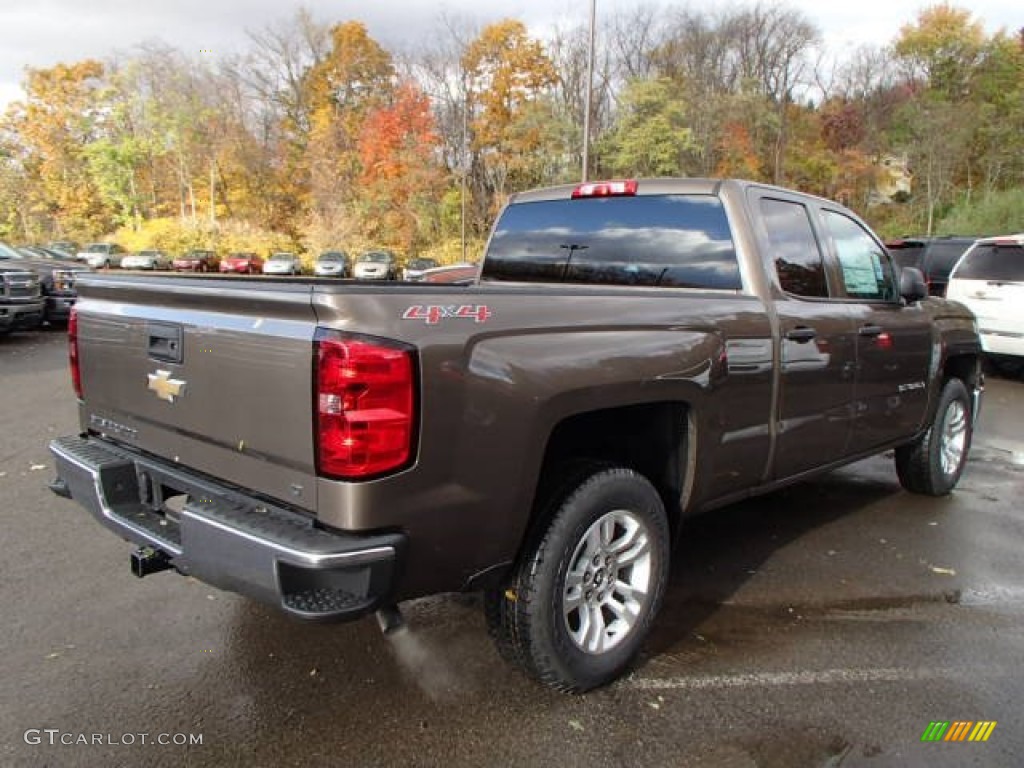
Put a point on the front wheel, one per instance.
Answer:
(932, 464)
(583, 598)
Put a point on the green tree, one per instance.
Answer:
(651, 135)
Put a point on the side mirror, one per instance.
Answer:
(912, 285)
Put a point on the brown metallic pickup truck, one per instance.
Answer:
(632, 353)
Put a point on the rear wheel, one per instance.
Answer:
(932, 464)
(584, 595)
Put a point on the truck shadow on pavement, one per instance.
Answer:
(720, 554)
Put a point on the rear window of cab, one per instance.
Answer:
(680, 241)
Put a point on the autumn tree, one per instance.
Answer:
(58, 119)
(510, 79)
(942, 49)
(356, 77)
(400, 179)
(966, 109)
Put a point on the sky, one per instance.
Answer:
(41, 33)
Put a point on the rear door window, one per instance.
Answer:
(795, 252)
(994, 262)
(681, 241)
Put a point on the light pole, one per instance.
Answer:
(590, 91)
(464, 161)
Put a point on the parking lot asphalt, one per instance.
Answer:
(825, 625)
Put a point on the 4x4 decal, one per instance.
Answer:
(433, 314)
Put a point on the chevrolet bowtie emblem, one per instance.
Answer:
(165, 387)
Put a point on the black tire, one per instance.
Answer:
(933, 463)
(616, 516)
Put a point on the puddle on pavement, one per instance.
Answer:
(992, 594)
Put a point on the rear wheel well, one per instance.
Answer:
(650, 438)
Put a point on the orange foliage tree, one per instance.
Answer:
(400, 176)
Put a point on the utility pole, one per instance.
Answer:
(464, 159)
(590, 91)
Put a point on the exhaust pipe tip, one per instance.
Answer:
(390, 619)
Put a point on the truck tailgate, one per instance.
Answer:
(212, 374)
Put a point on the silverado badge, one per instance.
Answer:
(165, 387)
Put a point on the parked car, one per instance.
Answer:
(934, 256)
(282, 264)
(54, 253)
(101, 255)
(196, 261)
(375, 265)
(57, 277)
(989, 280)
(242, 263)
(64, 246)
(332, 264)
(414, 268)
(457, 274)
(150, 260)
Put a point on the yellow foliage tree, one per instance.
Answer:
(56, 121)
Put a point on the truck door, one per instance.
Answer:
(817, 348)
(894, 342)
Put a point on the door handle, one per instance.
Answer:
(165, 342)
(870, 330)
(801, 334)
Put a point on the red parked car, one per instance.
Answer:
(458, 274)
(196, 261)
(242, 263)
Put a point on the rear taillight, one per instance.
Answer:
(76, 371)
(365, 405)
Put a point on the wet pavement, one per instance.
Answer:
(825, 625)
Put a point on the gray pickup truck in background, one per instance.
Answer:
(634, 352)
(22, 305)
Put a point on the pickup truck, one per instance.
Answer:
(633, 352)
(21, 300)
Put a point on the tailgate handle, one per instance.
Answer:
(165, 342)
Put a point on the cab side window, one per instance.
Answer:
(795, 252)
(865, 266)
